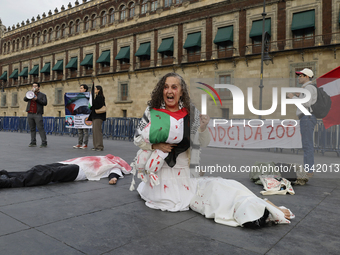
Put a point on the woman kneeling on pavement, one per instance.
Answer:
(169, 136)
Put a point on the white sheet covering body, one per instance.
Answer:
(95, 167)
(231, 203)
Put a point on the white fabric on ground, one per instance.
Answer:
(230, 203)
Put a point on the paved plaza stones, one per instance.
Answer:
(97, 218)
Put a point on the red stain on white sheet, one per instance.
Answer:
(165, 187)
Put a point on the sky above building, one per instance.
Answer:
(14, 11)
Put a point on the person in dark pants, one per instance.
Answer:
(77, 169)
(307, 122)
(97, 119)
(83, 133)
(45, 174)
(35, 110)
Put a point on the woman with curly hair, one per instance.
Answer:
(169, 127)
(169, 137)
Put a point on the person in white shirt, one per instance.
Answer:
(307, 122)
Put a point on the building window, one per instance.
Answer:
(14, 99)
(50, 34)
(18, 43)
(257, 44)
(63, 30)
(153, 5)
(59, 96)
(77, 26)
(57, 34)
(167, 3)
(38, 38)
(5, 47)
(123, 92)
(122, 12)
(112, 15)
(225, 49)
(23, 43)
(131, 9)
(27, 41)
(9, 46)
(144, 7)
(45, 36)
(167, 57)
(194, 53)
(86, 23)
(303, 38)
(24, 79)
(225, 113)
(3, 100)
(13, 45)
(124, 113)
(103, 18)
(224, 92)
(71, 26)
(93, 19)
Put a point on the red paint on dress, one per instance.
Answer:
(151, 163)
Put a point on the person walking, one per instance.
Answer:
(35, 110)
(83, 133)
(97, 118)
(307, 122)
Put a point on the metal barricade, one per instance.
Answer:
(48, 124)
(10, 123)
(106, 128)
(325, 140)
(23, 124)
(133, 126)
(60, 127)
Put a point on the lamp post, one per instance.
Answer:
(264, 41)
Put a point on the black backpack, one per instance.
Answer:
(323, 103)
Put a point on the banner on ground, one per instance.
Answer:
(77, 110)
(251, 135)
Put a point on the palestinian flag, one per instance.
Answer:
(165, 126)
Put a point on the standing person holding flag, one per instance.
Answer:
(83, 133)
(97, 116)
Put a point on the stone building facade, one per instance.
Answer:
(127, 46)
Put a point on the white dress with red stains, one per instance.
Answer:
(175, 190)
(231, 203)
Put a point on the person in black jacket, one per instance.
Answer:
(35, 110)
(97, 119)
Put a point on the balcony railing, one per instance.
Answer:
(145, 63)
(167, 61)
(124, 66)
(296, 43)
